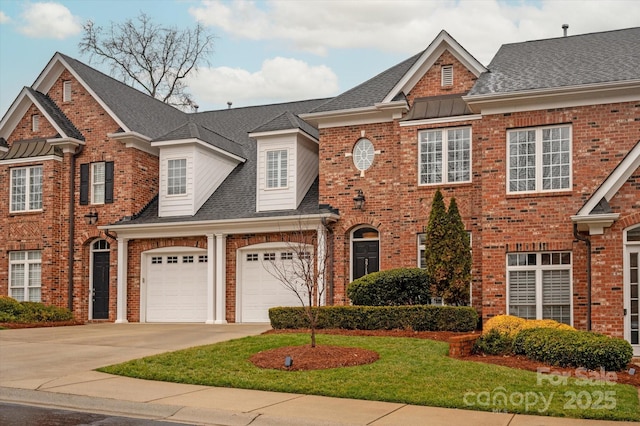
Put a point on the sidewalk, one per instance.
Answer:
(81, 389)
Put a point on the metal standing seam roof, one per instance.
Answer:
(438, 107)
(31, 148)
(563, 62)
(50, 107)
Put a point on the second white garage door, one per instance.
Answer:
(259, 289)
(176, 288)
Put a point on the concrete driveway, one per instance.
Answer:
(32, 357)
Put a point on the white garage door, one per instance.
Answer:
(176, 288)
(260, 290)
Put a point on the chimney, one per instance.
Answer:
(565, 27)
(229, 103)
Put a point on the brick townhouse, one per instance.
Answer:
(126, 209)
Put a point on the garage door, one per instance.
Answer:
(176, 288)
(260, 290)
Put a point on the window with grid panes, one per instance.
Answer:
(445, 156)
(26, 189)
(277, 169)
(25, 275)
(177, 177)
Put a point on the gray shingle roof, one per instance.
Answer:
(50, 107)
(191, 130)
(286, 121)
(563, 62)
(371, 91)
(140, 112)
(236, 196)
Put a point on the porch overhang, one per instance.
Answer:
(595, 224)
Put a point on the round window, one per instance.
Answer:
(363, 154)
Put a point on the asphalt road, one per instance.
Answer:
(26, 415)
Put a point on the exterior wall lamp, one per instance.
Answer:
(359, 200)
(91, 218)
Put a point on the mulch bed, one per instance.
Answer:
(307, 358)
(40, 324)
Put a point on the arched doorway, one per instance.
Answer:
(365, 251)
(99, 285)
(632, 287)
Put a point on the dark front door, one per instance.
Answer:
(101, 285)
(366, 258)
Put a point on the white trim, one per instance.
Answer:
(351, 241)
(68, 145)
(211, 278)
(221, 281)
(629, 247)
(445, 156)
(441, 120)
(30, 160)
(285, 132)
(595, 223)
(379, 113)
(91, 289)
(443, 42)
(195, 141)
(121, 296)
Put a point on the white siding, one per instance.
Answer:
(210, 171)
(176, 205)
(277, 198)
(306, 165)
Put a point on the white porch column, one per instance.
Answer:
(211, 278)
(321, 263)
(221, 282)
(121, 301)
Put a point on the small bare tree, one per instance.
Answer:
(148, 56)
(302, 269)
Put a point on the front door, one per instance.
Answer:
(100, 297)
(366, 258)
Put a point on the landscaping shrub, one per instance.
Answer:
(417, 318)
(494, 343)
(30, 312)
(511, 325)
(393, 287)
(573, 348)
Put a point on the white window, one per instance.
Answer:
(97, 183)
(277, 169)
(35, 123)
(445, 156)
(177, 177)
(539, 285)
(25, 275)
(447, 75)
(26, 189)
(66, 91)
(539, 159)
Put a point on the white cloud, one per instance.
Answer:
(481, 26)
(49, 20)
(279, 79)
(3, 18)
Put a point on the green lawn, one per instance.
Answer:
(412, 371)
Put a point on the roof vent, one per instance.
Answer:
(565, 27)
(229, 103)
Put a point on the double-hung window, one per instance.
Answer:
(277, 169)
(25, 275)
(177, 177)
(539, 285)
(445, 156)
(26, 189)
(539, 159)
(97, 183)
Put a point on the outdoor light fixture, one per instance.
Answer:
(288, 361)
(91, 218)
(358, 200)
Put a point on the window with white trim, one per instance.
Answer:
(277, 168)
(539, 285)
(35, 123)
(446, 74)
(26, 189)
(97, 182)
(177, 176)
(539, 159)
(66, 91)
(25, 268)
(445, 156)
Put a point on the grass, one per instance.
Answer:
(411, 371)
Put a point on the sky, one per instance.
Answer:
(284, 50)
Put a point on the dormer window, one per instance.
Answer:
(177, 177)
(447, 75)
(35, 123)
(66, 91)
(277, 169)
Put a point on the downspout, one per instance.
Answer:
(587, 242)
(72, 223)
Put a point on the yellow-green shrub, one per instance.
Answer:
(511, 325)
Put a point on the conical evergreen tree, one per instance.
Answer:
(459, 254)
(436, 252)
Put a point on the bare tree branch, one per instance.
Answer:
(150, 57)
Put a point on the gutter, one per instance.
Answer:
(587, 242)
